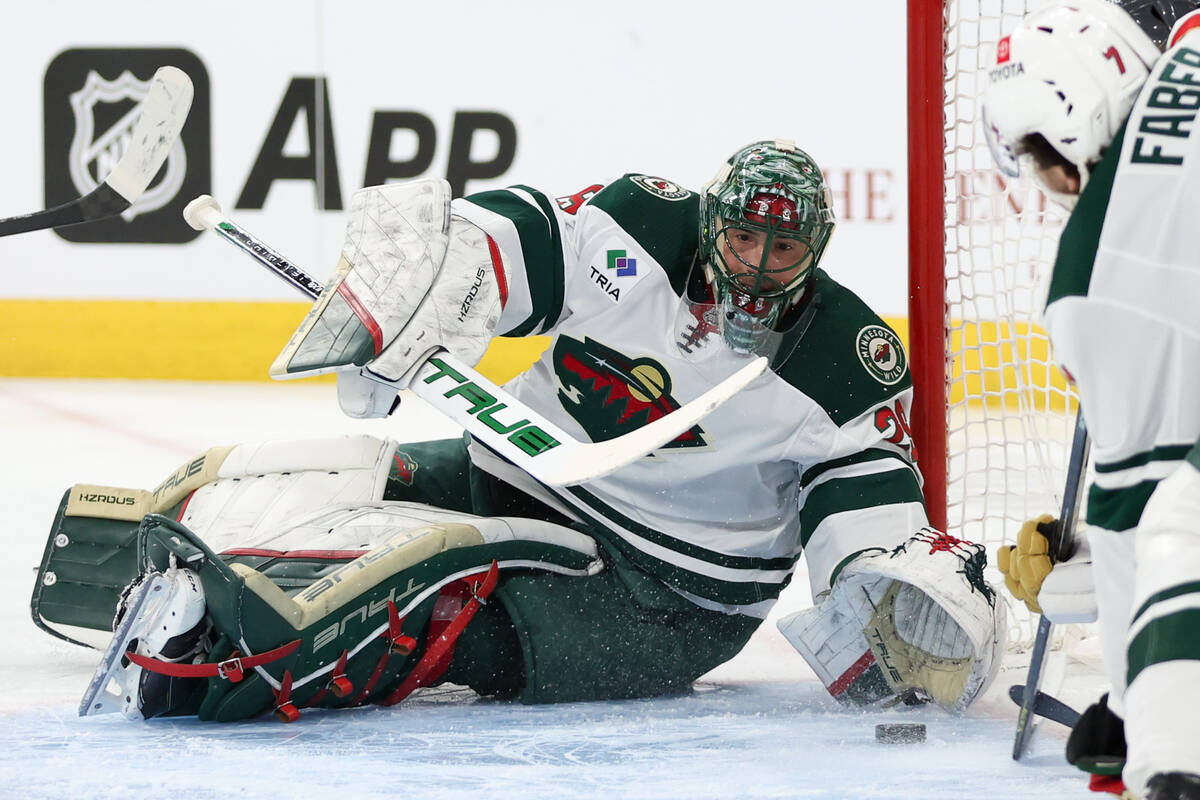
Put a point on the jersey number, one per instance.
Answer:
(573, 202)
(893, 422)
(1112, 54)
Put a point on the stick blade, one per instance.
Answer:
(164, 111)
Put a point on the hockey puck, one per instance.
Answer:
(900, 733)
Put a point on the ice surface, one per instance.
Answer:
(758, 726)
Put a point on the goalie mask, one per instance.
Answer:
(1062, 85)
(765, 220)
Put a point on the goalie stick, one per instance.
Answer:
(1062, 544)
(534, 443)
(162, 116)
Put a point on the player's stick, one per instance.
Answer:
(495, 417)
(163, 113)
(1046, 706)
(1062, 544)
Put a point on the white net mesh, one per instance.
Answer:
(1010, 412)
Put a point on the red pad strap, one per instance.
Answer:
(232, 669)
(398, 644)
(434, 661)
(498, 268)
(285, 709)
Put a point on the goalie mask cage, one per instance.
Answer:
(993, 415)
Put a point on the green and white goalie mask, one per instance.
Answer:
(765, 220)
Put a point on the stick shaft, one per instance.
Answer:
(1062, 545)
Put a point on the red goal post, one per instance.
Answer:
(926, 240)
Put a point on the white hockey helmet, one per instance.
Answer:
(1069, 73)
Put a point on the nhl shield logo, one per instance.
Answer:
(94, 152)
(91, 100)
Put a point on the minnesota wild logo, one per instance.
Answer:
(881, 353)
(608, 393)
(403, 467)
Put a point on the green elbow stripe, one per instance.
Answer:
(1118, 509)
(541, 247)
(865, 456)
(1170, 638)
(734, 593)
(606, 512)
(1166, 594)
(1172, 452)
(895, 487)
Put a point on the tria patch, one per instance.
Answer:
(881, 353)
(620, 271)
(660, 187)
(609, 393)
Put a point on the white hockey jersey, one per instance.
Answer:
(1124, 316)
(1123, 309)
(814, 456)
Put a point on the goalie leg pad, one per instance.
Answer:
(86, 562)
(361, 629)
(251, 495)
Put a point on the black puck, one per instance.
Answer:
(900, 733)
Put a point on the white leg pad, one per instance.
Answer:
(263, 489)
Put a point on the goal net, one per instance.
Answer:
(994, 414)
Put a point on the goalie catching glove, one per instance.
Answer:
(1064, 592)
(412, 278)
(916, 623)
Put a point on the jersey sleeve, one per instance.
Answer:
(551, 243)
(536, 238)
(868, 500)
(859, 486)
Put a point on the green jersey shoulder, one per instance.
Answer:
(848, 359)
(653, 211)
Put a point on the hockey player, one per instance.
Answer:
(1083, 98)
(356, 571)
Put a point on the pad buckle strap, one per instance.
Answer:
(436, 658)
(285, 709)
(231, 669)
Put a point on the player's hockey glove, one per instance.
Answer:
(1065, 591)
(1097, 746)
